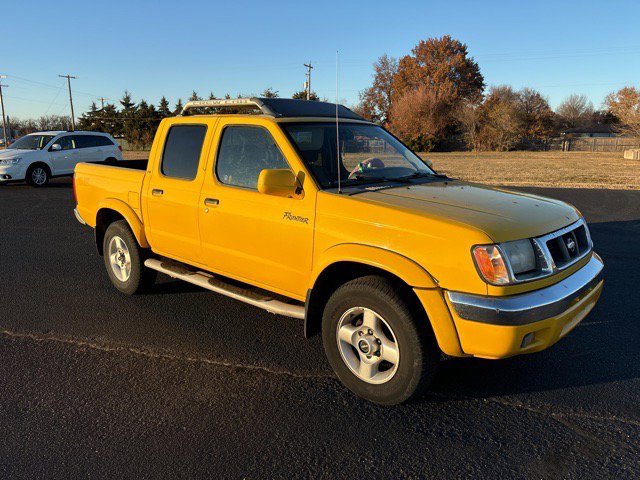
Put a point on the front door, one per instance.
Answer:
(262, 239)
(63, 161)
(173, 192)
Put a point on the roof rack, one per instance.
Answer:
(276, 107)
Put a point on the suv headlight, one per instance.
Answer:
(499, 263)
(10, 161)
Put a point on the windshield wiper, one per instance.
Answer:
(420, 175)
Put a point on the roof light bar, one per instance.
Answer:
(250, 103)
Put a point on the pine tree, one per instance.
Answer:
(178, 108)
(110, 121)
(128, 117)
(194, 97)
(163, 108)
(90, 120)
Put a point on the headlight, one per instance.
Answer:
(494, 261)
(10, 161)
(520, 255)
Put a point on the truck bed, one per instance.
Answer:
(96, 185)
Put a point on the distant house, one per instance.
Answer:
(591, 132)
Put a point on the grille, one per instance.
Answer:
(562, 248)
(565, 249)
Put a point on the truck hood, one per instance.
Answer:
(502, 214)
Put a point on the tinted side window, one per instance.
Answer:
(84, 141)
(182, 151)
(102, 141)
(244, 152)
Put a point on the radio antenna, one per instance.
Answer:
(338, 130)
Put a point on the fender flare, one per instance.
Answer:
(129, 215)
(402, 267)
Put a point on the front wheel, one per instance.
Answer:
(124, 260)
(378, 346)
(38, 175)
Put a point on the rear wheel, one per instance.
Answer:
(38, 175)
(379, 348)
(124, 260)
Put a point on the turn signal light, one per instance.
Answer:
(491, 264)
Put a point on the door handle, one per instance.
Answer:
(156, 192)
(211, 202)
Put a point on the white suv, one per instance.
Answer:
(37, 157)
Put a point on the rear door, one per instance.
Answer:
(87, 147)
(173, 190)
(107, 148)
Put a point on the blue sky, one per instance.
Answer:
(171, 48)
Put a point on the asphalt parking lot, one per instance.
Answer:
(186, 383)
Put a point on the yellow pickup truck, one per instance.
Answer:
(307, 210)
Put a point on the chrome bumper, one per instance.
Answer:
(531, 306)
(78, 217)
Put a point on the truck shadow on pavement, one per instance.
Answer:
(602, 349)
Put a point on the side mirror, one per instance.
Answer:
(55, 147)
(280, 182)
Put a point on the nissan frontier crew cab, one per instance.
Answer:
(307, 210)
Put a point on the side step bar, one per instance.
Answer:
(215, 284)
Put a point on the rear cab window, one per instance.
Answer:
(182, 148)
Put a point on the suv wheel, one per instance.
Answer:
(124, 260)
(38, 175)
(376, 345)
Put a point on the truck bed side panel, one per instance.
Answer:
(97, 183)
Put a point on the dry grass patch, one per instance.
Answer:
(541, 169)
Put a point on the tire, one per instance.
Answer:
(124, 260)
(400, 346)
(38, 175)
(111, 161)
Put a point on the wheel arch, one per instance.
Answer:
(41, 163)
(111, 210)
(345, 262)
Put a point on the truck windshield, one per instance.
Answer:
(368, 153)
(31, 142)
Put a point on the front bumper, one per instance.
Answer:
(78, 216)
(11, 173)
(499, 327)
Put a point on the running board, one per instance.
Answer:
(210, 282)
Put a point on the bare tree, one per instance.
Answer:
(625, 105)
(538, 117)
(502, 122)
(421, 116)
(269, 92)
(375, 101)
(575, 111)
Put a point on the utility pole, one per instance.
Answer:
(102, 102)
(4, 119)
(308, 82)
(73, 118)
